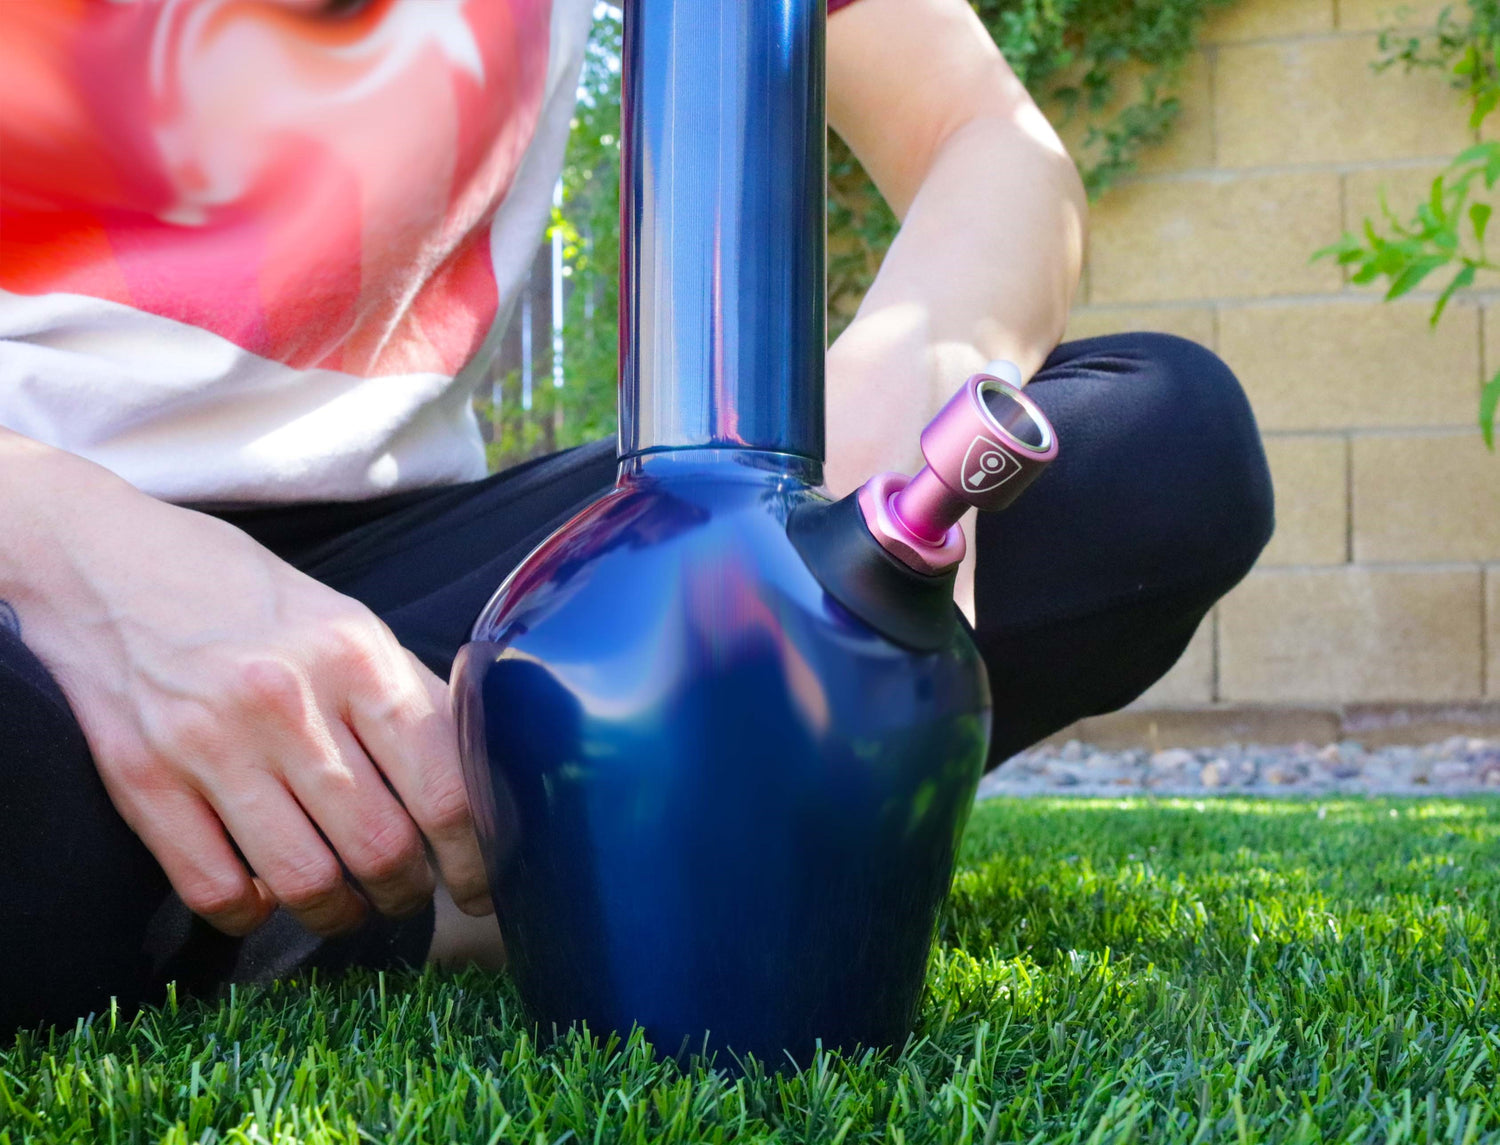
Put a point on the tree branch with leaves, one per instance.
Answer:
(1447, 234)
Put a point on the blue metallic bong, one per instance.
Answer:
(720, 742)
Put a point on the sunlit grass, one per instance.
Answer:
(1108, 970)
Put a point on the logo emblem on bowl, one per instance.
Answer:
(987, 466)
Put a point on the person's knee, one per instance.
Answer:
(1198, 413)
(1089, 588)
(77, 887)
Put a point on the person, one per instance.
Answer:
(253, 257)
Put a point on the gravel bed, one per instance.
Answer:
(1454, 766)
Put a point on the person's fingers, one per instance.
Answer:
(283, 848)
(400, 713)
(366, 825)
(181, 830)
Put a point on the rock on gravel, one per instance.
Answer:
(1285, 774)
(1454, 766)
(1173, 760)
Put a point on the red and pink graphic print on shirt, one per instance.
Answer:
(311, 181)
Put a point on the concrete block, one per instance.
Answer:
(1361, 363)
(1426, 498)
(1376, 725)
(1319, 101)
(1214, 725)
(1268, 19)
(1312, 505)
(1490, 358)
(1349, 634)
(1492, 631)
(1190, 143)
(1193, 322)
(1378, 15)
(1199, 238)
(1203, 726)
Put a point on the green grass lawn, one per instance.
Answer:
(1107, 971)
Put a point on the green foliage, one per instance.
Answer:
(590, 224)
(1107, 971)
(1445, 235)
(1107, 67)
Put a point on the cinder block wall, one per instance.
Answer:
(1383, 582)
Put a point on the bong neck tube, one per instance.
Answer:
(723, 305)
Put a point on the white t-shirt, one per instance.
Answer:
(253, 252)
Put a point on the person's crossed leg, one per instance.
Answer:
(1087, 591)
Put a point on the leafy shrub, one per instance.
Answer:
(1106, 68)
(1447, 233)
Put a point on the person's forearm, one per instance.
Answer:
(45, 489)
(985, 267)
(260, 732)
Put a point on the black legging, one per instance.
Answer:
(1088, 591)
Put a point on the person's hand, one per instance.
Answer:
(262, 734)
